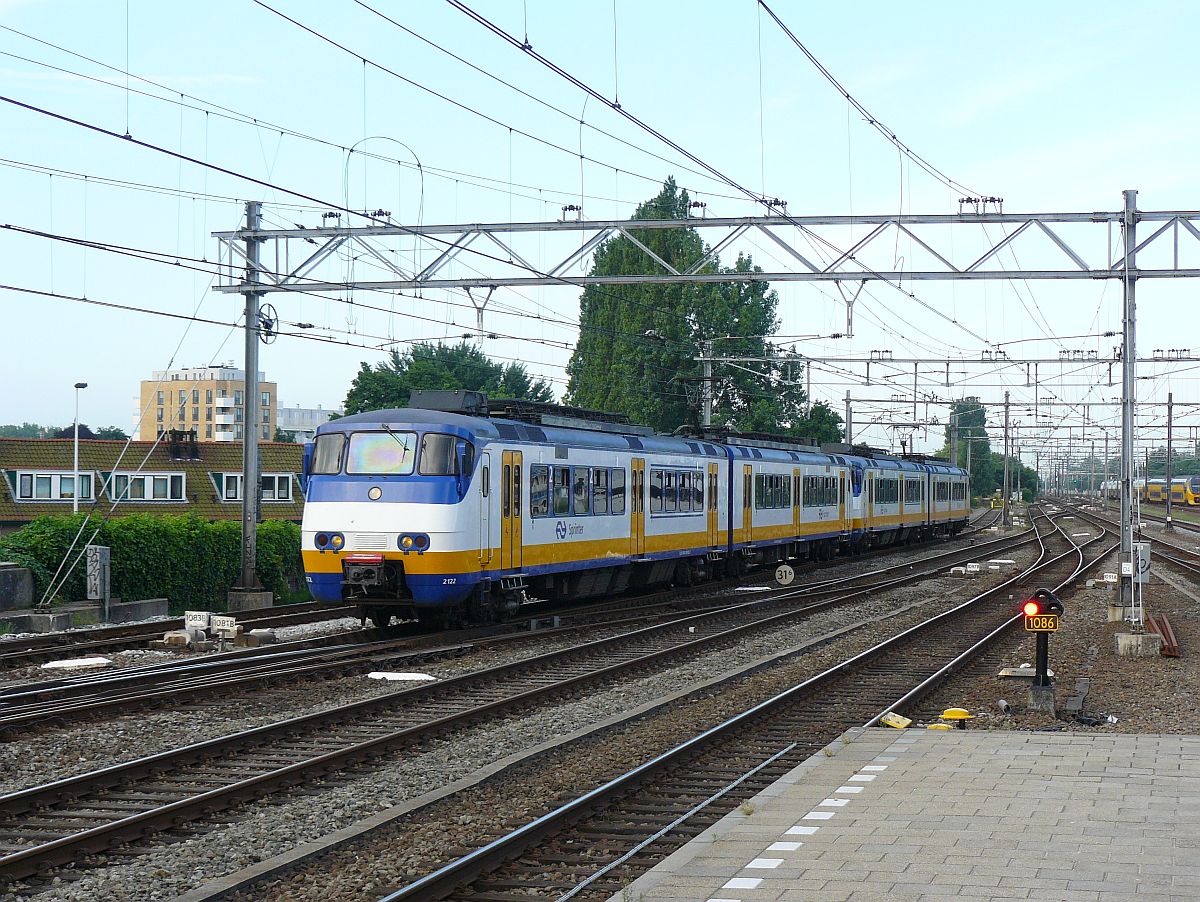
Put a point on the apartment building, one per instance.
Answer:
(210, 400)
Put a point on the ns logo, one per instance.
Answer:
(560, 529)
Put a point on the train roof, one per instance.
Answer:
(614, 437)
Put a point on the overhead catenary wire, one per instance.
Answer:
(649, 129)
(871, 119)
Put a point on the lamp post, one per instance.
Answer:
(75, 490)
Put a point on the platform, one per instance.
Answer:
(919, 814)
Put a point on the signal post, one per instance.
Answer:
(1042, 613)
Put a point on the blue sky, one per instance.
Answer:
(1051, 106)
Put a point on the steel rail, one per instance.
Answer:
(38, 649)
(445, 880)
(23, 706)
(37, 858)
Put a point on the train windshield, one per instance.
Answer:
(381, 453)
(1194, 483)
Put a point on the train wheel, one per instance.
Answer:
(380, 618)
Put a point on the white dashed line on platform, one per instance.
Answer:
(743, 883)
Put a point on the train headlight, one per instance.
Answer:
(321, 539)
(336, 541)
(375, 493)
(406, 542)
(421, 541)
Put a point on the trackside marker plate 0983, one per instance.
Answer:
(1041, 623)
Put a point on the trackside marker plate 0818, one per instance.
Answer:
(1041, 623)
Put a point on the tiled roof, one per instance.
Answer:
(100, 458)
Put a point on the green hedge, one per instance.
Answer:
(187, 560)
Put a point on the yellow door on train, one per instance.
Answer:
(796, 478)
(637, 507)
(511, 554)
(714, 532)
(747, 503)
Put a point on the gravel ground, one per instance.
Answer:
(137, 657)
(55, 753)
(271, 828)
(1146, 695)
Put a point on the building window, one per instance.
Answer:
(208, 396)
(148, 487)
(160, 398)
(221, 393)
(237, 396)
(276, 487)
(266, 433)
(266, 415)
(237, 414)
(237, 430)
(195, 396)
(160, 414)
(208, 416)
(52, 486)
(266, 399)
(231, 486)
(195, 414)
(183, 396)
(208, 430)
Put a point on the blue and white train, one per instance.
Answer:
(451, 513)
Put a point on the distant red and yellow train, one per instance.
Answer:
(1184, 490)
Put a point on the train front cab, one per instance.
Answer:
(387, 496)
(1186, 491)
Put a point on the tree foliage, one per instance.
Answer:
(69, 432)
(189, 560)
(987, 466)
(25, 430)
(438, 366)
(638, 343)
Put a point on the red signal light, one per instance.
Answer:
(1032, 608)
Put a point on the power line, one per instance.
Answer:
(769, 203)
(872, 120)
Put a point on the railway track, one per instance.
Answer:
(32, 650)
(63, 700)
(593, 846)
(46, 826)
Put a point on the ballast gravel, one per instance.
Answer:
(269, 828)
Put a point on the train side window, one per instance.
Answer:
(506, 493)
(669, 499)
(562, 491)
(712, 491)
(599, 491)
(539, 491)
(517, 490)
(698, 490)
(327, 457)
(617, 491)
(581, 490)
(685, 491)
(484, 482)
(656, 491)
